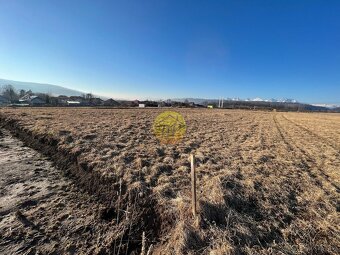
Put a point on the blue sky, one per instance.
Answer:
(167, 49)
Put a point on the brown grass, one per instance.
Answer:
(268, 182)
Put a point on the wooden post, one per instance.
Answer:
(143, 244)
(193, 185)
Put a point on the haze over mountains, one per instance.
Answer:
(41, 88)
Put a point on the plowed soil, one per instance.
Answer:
(268, 182)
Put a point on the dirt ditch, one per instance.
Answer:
(53, 204)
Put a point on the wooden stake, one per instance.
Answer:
(193, 185)
(143, 244)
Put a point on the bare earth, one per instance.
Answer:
(268, 183)
(42, 212)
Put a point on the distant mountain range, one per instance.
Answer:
(259, 103)
(329, 106)
(257, 99)
(54, 90)
(273, 100)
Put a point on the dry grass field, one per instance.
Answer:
(268, 182)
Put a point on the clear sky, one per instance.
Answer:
(167, 49)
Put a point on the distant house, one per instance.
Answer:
(31, 100)
(25, 98)
(62, 100)
(96, 101)
(37, 101)
(111, 102)
(4, 101)
(161, 104)
(76, 98)
(141, 105)
(73, 103)
(210, 106)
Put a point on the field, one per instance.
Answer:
(268, 182)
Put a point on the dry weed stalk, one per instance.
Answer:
(150, 250)
(143, 244)
(118, 210)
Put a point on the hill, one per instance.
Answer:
(41, 88)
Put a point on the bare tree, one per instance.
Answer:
(8, 91)
(45, 96)
(22, 92)
(88, 96)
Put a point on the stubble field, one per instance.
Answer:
(268, 182)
